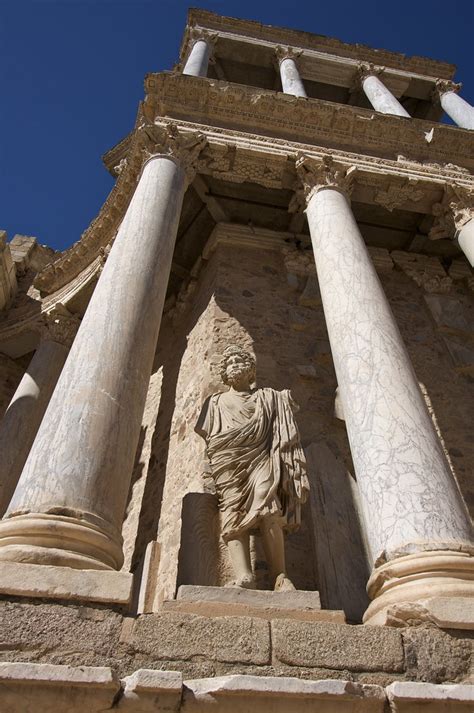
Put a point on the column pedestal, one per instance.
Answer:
(69, 503)
(410, 502)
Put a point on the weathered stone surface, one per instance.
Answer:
(29, 687)
(239, 694)
(357, 648)
(436, 656)
(419, 697)
(35, 630)
(38, 580)
(148, 691)
(183, 636)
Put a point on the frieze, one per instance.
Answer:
(210, 101)
(399, 193)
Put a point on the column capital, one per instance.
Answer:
(442, 86)
(283, 52)
(319, 174)
(453, 212)
(364, 70)
(183, 146)
(59, 326)
(196, 34)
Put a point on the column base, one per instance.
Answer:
(423, 587)
(44, 538)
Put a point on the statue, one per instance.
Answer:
(257, 465)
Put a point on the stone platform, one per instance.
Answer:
(234, 601)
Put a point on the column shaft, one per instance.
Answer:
(460, 111)
(465, 237)
(23, 416)
(69, 503)
(290, 78)
(198, 60)
(382, 98)
(409, 498)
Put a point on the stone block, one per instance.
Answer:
(148, 691)
(451, 612)
(41, 628)
(268, 694)
(171, 636)
(337, 646)
(381, 259)
(409, 697)
(50, 582)
(449, 314)
(436, 656)
(223, 601)
(49, 689)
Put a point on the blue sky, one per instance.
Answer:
(71, 76)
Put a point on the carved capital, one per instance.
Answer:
(452, 213)
(315, 175)
(282, 53)
(364, 70)
(398, 193)
(184, 146)
(196, 34)
(442, 86)
(59, 325)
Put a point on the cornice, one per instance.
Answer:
(306, 40)
(214, 102)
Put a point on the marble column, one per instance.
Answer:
(410, 501)
(457, 108)
(290, 77)
(201, 50)
(69, 504)
(377, 93)
(21, 421)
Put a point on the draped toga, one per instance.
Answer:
(257, 463)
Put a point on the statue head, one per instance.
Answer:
(237, 364)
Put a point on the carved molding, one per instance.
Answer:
(453, 212)
(399, 193)
(314, 175)
(364, 70)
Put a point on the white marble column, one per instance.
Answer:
(457, 108)
(202, 45)
(25, 411)
(377, 93)
(410, 501)
(465, 238)
(291, 81)
(69, 503)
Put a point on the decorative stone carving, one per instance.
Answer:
(444, 85)
(282, 53)
(59, 326)
(185, 147)
(315, 175)
(454, 211)
(396, 194)
(364, 70)
(197, 33)
(257, 464)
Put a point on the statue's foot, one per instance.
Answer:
(283, 584)
(246, 582)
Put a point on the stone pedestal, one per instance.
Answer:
(69, 503)
(410, 502)
(23, 416)
(290, 77)
(377, 93)
(457, 108)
